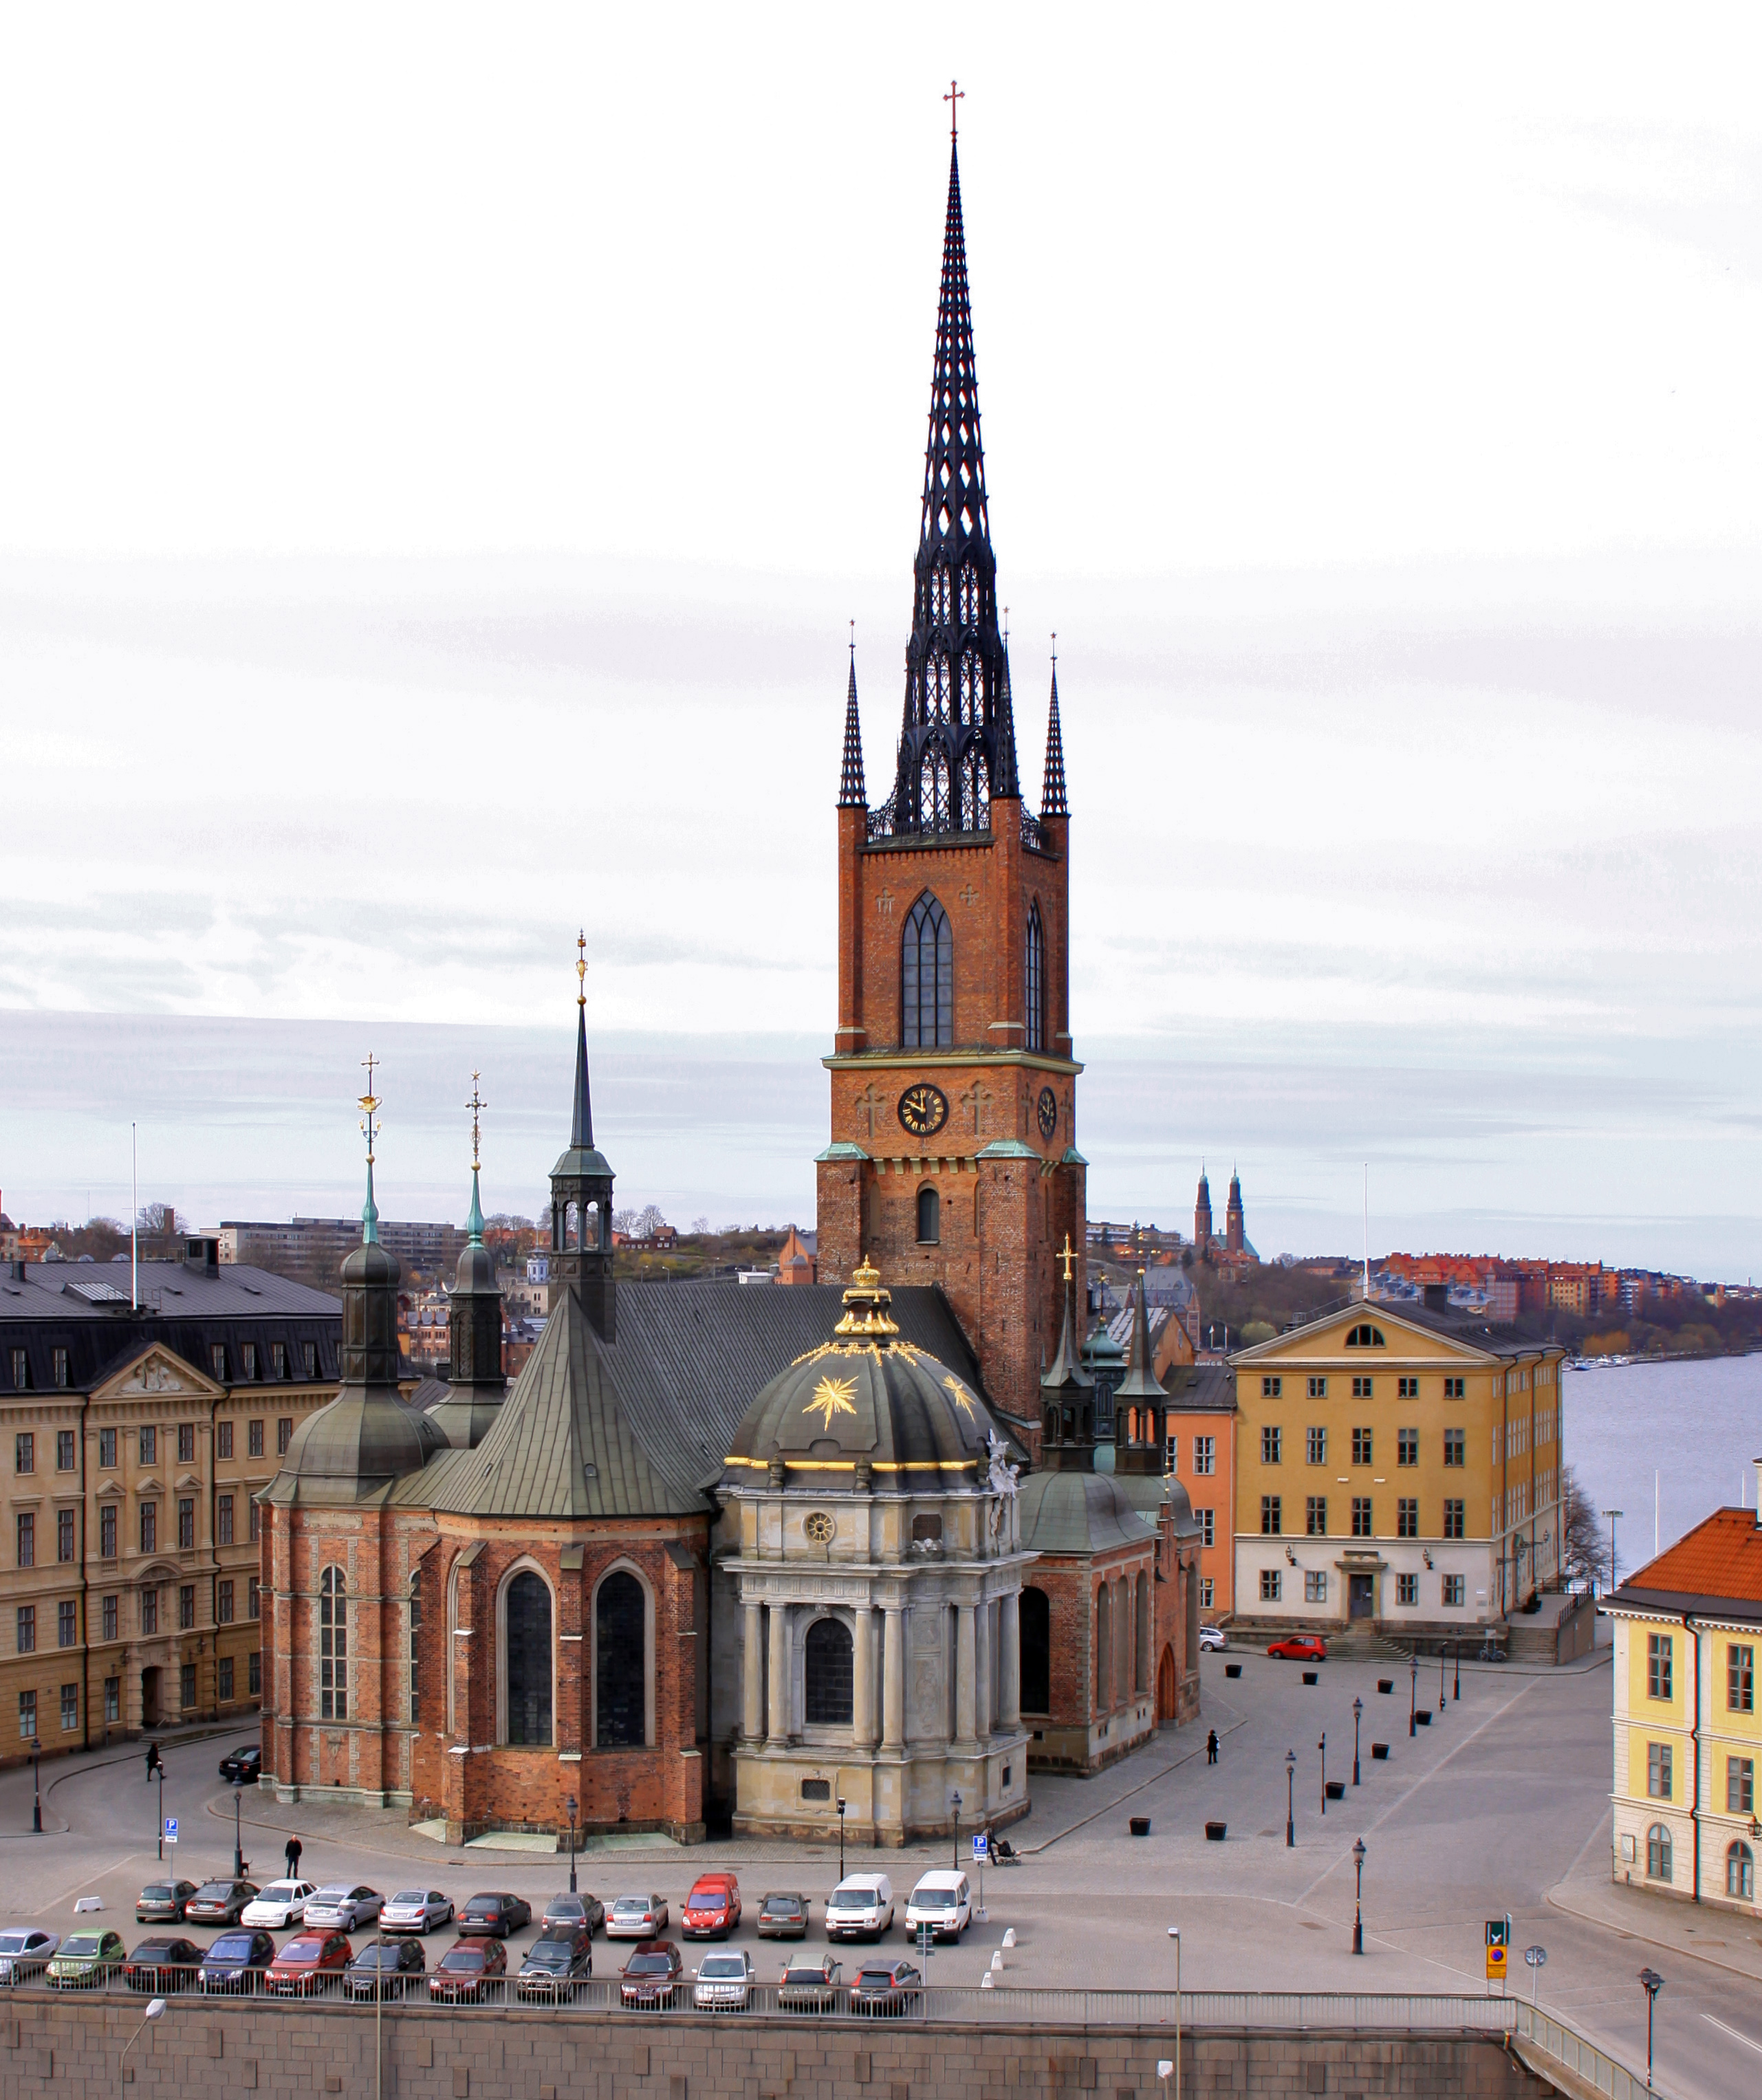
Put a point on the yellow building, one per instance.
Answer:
(1397, 1465)
(1687, 1746)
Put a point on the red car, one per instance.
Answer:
(465, 1966)
(1300, 1647)
(652, 1975)
(309, 1962)
(712, 1909)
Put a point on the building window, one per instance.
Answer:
(27, 1715)
(1270, 1584)
(107, 1449)
(1658, 1771)
(1361, 1525)
(64, 1450)
(416, 1628)
(1271, 1389)
(149, 1527)
(1361, 1447)
(927, 978)
(1315, 1446)
(1272, 1520)
(929, 1218)
(1406, 1589)
(1658, 1853)
(526, 1614)
(1360, 1389)
(64, 1535)
(222, 1440)
(187, 1686)
(1205, 1456)
(217, 1360)
(333, 1647)
(309, 1355)
(107, 1532)
(253, 1594)
(59, 1364)
(27, 1540)
(1406, 1447)
(1315, 1516)
(107, 1618)
(253, 1439)
(1271, 1445)
(224, 1519)
(255, 1677)
(1207, 1526)
(1455, 1447)
(1207, 1590)
(1455, 1518)
(283, 1435)
(1315, 1586)
(149, 1445)
(25, 1453)
(186, 1524)
(1660, 1655)
(112, 1701)
(1036, 977)
(1740, 1680)
(826, 1674)
(70, 1708)
(250, 1520)
(1456, 1389)
(186, 1443)
(1740, 1786)
(1407, 1516)
(1366, 1338)
(224, 1601)
(1455, 1589)
(226, 1677)
(248, 1358)
(1740, 1872)
(26, 1629)
(1317, 1389)
(21, 1371)
(186, 1605)
(1172, 1454)
(68, 1623)
(278, 1362)
(149, 1611)
(1407, 1388)
(1036, 1628)
(620, 1657)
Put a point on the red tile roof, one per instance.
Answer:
(1721, 1557)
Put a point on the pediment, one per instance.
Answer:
(1401, 1341)
(158, 1372)
(190, 1480)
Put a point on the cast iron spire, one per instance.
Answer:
(1053, 802)
(956, 742)
(581, 1129)
(852, 794)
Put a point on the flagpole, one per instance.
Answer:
(134, 1223)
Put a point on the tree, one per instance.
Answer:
(1584, 1543)
(700, 1225)
(650, 1222)
(159, 1221)
(625, 1222)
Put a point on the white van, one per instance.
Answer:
(861, 1905)
(942, 1900)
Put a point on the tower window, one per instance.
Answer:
(827, 1679)
(1037, 979)
(927, 978)
(929, 1218)
(333, 1647)
(620, 1661)
(528, 1660)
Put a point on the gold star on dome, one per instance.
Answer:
(832, 1396)
(961, 1398)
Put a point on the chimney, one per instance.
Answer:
(1438, 1298)
(201, 1255)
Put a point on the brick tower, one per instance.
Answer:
(953, 1158)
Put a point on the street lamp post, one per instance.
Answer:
(1651, 1982)
(1413, 1699)
(154, 2011)
(1290, 1775)
(1323, 1747)
(1357, 1714)
(1456, 1670)
(1614, 1576)
(570, 1804)
(841, 1806)
(1441, 1680)
(1174, 1933)
(1358, 1900)
(161, 1810)
(238, 1834)
(958, 1829)
(37, 1804)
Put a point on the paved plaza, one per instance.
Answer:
(1500, 1804)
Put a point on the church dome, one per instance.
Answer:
(1069, 1512)
(865, 1401)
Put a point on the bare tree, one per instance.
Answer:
(651, 1221)
(1584, 1544)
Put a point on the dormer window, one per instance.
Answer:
(1364, 1336)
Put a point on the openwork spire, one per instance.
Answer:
(852, 794)
(582, 1128)
(474, 1221)
(956, 743)
(1053, 802)
(370, 1106)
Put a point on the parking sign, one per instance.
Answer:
(1498, 1946)
(981, 1846)
(171, 1830)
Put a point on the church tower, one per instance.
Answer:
(1202, 1219)
(580, 1193)
(953, 1157)
(1235, 1225)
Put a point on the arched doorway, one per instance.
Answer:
(1166, 1692)
(1036, 1638)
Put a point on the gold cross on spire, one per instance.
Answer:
(368, 1104)
(1067, 1257)
(581, 966)
(476, 1106)
(954, 98)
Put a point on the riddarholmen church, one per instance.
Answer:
(720, 1556)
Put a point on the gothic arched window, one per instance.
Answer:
(415, 1629)
(929, 1218)
(1037, 979)
(1036, 1623)
(621, 1664)
(827, 1674)
(933, 790)
(333, 1646)
(527, 1659)
(927, 978)
(1104, 1648)
(975, 791)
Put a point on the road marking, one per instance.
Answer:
(1733, 2033)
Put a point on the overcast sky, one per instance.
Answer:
(443, 450)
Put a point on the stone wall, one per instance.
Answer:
(56, 2049)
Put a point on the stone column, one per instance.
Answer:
(779, 1676)
(893, 1673)
(862, 1664)
(966, 1676)
(753, 1675)
(1009, 1661)
(982, 1659)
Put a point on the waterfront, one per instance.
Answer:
(1696, 1424)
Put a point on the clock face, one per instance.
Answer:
(1049, 1111)
(923, 1109)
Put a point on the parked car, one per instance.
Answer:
(652, 1975)
(1212, 1637)
(885, 1989)
(25, 1952)
(236, 1961)
(85, 1958)
(784, 1917)
(465, 1967)
(160, 1965)
(244, 1764)
(571, 1909)
(308, 1963)
(861, 1905)
(386, 1968)
(220, 1903)
(944, 1901)
(555, 1963)
(162, 1903)
(1298, 1647)
(724, 1981)
(636, 1918)
(812, 1986)
(416, 1910)
(712, 1909)
(498, 1914)
(279, 1904)
(344, 1905)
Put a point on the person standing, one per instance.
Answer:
(292, 1850)
(1211, 1747)
(155, 1763)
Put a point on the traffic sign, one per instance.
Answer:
(981, 1846)
(1498, 1947)
(171, 1830)
(1536, 1956)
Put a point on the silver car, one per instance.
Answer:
(416, 1910)
(24, 1953)
(344, 1906)
(637, 1917)
(724, 1980)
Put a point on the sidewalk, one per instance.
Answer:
(1728, 1940)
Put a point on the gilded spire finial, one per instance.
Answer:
(1067, 1257)
(474, 1221)
(368, 1104)
(581, 966)
(476, 1105)
(954, 98)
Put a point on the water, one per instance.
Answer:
(1697, 1425)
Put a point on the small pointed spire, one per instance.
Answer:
(1008, 784)
(474, 1220)
(370, 1106)
(1052, 801)
(852, 793)
(581, 1129)
(1141, 1381)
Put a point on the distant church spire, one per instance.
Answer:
(581, 1130)
(852, 794)
(1053, 802)
(957, 741)
(580, 1193)
(370, 1106)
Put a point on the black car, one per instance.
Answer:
(499, 1913)
(160, 1965)
(555, 1963)
(219, 1903)
(564, 1913)
(236, 1962)
(385, 1969)
(884, 1989)
(244, 1764)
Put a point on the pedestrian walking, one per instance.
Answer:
(292, 1849)
(1211, 1747)
(155, 1763)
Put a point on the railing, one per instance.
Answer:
(1549, 2038)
